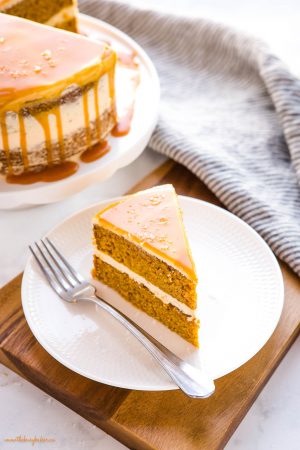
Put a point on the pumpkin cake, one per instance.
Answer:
(57, 13)
(142, 252)
(56, 95)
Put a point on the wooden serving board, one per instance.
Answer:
(151, 420)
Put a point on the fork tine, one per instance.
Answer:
(51, 280)
(69, 278)
(55, 272)
(77, 275)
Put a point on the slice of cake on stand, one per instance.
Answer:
(57, 96)
(142, 252)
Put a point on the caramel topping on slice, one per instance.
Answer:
(152, 218)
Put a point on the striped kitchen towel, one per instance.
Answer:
(230, 112)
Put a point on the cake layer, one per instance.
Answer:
(139, 260)
(141, 297)
(56, 130)
(161, 295)
(65, 19)
(58, 13)
(68, 25)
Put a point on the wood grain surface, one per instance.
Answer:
(151, 420)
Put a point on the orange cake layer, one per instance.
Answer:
(141, 297)
(57, 13)
(141, 239)
(56, 94)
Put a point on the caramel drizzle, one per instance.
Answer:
(50, 174)
(96, 98)
(4, 135)
(123, 125)
(86, 119)
(60, 134)
(43, 119)
(23, 142)
(111, 82)
(96, 152)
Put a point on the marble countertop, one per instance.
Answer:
(273, 422)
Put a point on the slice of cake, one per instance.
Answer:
(57, 13)
(56, 95)
(142, 252)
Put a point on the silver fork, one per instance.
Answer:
(73, 288)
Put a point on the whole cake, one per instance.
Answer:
(142, 252)
(57, 13)
(56, 95)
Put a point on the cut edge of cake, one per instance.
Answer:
(59, 14)
(150, 267)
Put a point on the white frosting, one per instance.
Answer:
(63, 15)
(12, 125)
(104, 94)
(53, 127)
(72, 117)
(163, 296)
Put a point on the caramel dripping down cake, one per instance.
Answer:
(56, 95)
(141, 251)
(57, 13)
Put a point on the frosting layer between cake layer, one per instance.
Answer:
(163, 296)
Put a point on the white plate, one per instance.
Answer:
(124, 150)
(240, 292)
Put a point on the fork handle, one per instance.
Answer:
(191, 380)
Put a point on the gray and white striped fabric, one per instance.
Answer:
(230, 112)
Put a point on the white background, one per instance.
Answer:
(274, 420)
